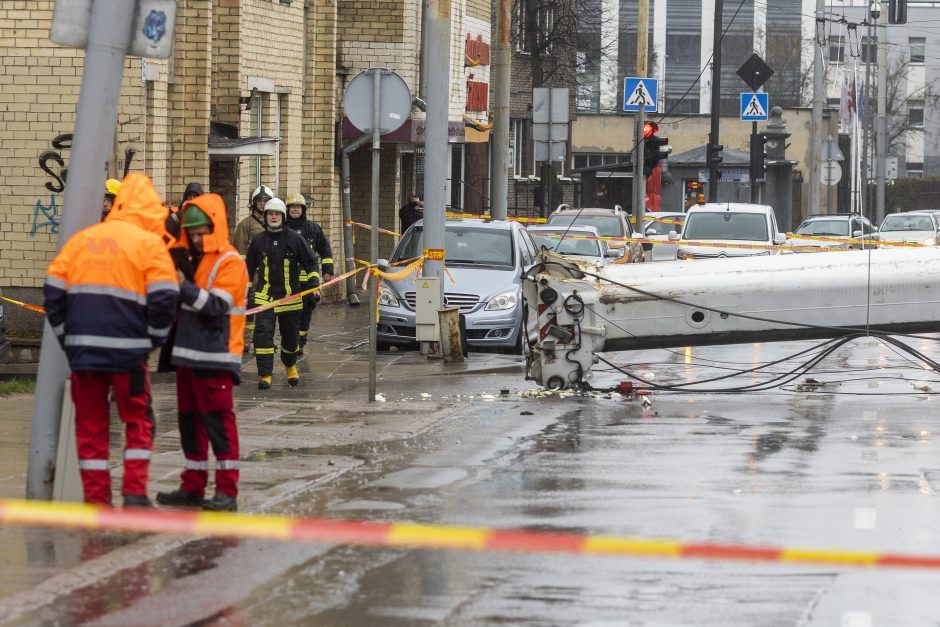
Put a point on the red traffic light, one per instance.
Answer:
(650, 128)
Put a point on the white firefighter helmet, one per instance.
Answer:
(276, 204)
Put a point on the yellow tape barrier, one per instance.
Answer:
(429, 536)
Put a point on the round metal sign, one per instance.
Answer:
(831, 172)
(395, 101)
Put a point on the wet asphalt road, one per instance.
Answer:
(850, 465)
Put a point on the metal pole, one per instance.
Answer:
(374, 221)
(109, 37)
(502, 71)
(435, 143)
(642, 57)
(866, 133)
(348, 245)
(819, 96)
(755, 186)
(882, 129)
(639, 181)
(713, 136)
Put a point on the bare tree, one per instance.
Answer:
(906, 108)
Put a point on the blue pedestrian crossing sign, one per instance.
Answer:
(637, 91)
(754, 107)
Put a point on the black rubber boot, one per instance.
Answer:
(221, 503)
(179, 498)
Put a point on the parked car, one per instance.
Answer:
(657, 227)
(608, 222)
(842, 225)
(576, 241)
(486, 260)
(728, 225)
(920, 227)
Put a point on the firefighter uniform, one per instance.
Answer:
(314, 235)
(284, 265)
(206, 353)
(111, 297)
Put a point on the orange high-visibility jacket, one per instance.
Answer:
(112, 292)
(210, 333)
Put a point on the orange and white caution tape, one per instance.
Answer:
(35, 308)
(429, 536)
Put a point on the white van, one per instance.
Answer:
(726, 225)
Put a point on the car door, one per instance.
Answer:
(528, 254)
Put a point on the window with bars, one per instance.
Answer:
(522, 21)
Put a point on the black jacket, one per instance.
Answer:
(409, 214)
(314, 235)
(284, 265)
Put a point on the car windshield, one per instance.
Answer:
(824, 227)
(726, 225)
(662, 226)
(901, 222)
(463, 245)
(572, 244)
(608, 226)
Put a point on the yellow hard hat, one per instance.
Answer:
(113, 186)
(297, 199)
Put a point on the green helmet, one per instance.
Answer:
(194, 216)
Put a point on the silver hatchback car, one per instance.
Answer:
(486, 260)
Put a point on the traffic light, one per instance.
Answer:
(714, 153)
(655, 148)
(758, 157)
(897, 11)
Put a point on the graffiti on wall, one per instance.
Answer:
(60, 143)
(46, 215)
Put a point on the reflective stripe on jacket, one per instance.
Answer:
(284, 264)
(210, 333)
(111, 293)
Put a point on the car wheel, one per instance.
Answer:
(382, 347)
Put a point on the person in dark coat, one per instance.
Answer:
(312, 232)
(284, 265)
(192, 190)
(411, 213)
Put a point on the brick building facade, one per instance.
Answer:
(252, 95)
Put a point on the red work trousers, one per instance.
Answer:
(206, 416)
(92, 422)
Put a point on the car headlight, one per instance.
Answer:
(387, 297)
(500, 302)
(930, 241)
(684, 254)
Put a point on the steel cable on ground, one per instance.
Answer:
(737, 372)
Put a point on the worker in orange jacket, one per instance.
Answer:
(111, 296)
(206, 353)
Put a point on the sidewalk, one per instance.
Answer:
(291, 439)
(288, 436)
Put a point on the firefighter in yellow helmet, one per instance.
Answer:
(111, 189)
(311, 232)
